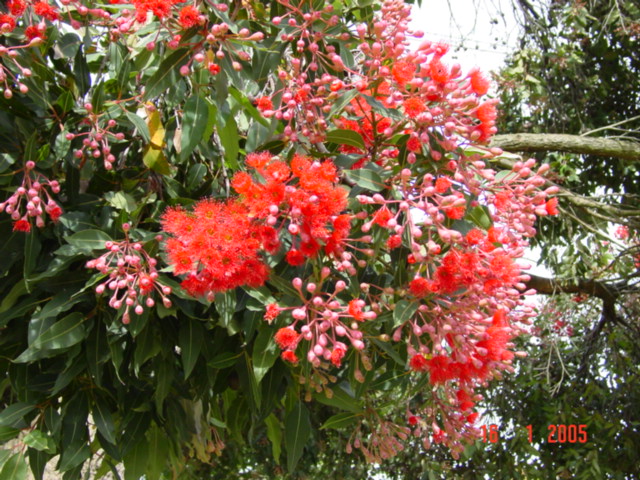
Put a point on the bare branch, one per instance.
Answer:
(555, 142)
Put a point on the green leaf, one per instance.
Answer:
(346, 137)
(224, 360)
(195, 176)
(274, 434)
(14, 413)
(265, 353)
(194, 123)
(226, 306)
(154, 159)
(297, 433)
(135, 462)
(140, 125)
(88, 240)
(121, 201)
(230, 139)
(341, 420)
(367, 179)
(63, 334)
(403, 311)
(158, 452)
(40, 441)
(389, 350)
(104, 420)
(481, 216)
(339, 399)
(15, 468)
(166, 75)
(190, 341)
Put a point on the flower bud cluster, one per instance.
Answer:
(13, 82)
(32, 199)
(132, 276)
(96, 142)
(328, 325)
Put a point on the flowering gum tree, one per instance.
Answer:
(319, 180)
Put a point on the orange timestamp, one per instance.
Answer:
(560, 433)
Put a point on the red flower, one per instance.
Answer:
(382, 216)
(34, 31)
(474, 236)
(289, 356)
(355, 309)
(272, 312)
(403, 72)
(22, 225)
(439, 369)
(394, 241)
(419, 287)
(286, 338)
(16, 7)
(264, 103)
(337, 355)
(45, 10)
(294, 258)
(9, 21)
(189, 17)
(442, 184)
(552, 206)
(218, 244)
(414, 144)
(439, 71)
(479, 83)
(413, 107)
(418, 363)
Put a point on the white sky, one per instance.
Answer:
(480, 32)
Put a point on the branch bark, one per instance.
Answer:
(608, 293)
(555, 142)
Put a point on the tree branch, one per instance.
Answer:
(555, 142)
(608, 293)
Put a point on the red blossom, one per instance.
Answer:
(418, 363)
(479, 83)
(272, 312)
(355, 309)
(443, 184)
(45, 10)
(286, 338)
(551, 206)
(22, 225)
(289, 356)
(403, 72)
(189, 17)
(336, 356)
(264, 103)
(420, 287)
(413, 107)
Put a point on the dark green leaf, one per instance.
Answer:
(346, 137)
(274, 434)
(15, 413)
(404, 311)
(194, 123)
(297, 433)
(190, 341)
(15, 468)
(341, 420)
(167, 74)
(88, 240)
(104, 420)
(365, 178)
(265, 353)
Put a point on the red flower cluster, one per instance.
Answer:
(304, 195)
(217, 246)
